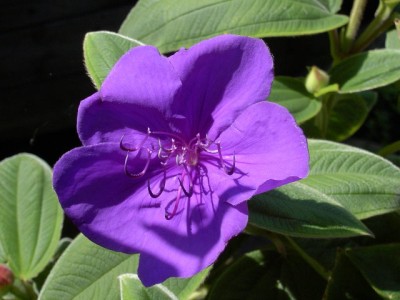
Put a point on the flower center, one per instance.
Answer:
(186, 155)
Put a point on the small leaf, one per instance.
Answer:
(30, 214)
(392, 40)
(367, 70)
(172, 24)
(131, 288)
(341, 116)
(101, 50)
(364, 183)
(332, 88)
(88, 271)
(292, 94)
(348, 114)
(380, 266)
(298, 210)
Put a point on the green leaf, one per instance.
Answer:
(30, 214)
(380, 266)
(132, 289)
(41, 278)
(367, 70)
(348, 114)
(346, 282)
(292, 94)
(171, 24)
(392, 40)
(384, 227)
(88, 271)
(267, 275)
(332, 88)
(2, 258)
(101, 50)
(332, 5)
(183, 288)
(364, 183)
(298, 210)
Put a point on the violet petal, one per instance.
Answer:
(270, 150)
(102, 121)
(222, 76)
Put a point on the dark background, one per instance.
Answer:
(43, 77)
(42, 73)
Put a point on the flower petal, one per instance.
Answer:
(270, 150)
(143, 77)
(191, 242)
(221, 77)
(102, 121)
(136, 95)
(116, 212)
(100, 198)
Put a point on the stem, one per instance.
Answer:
(390, 149)
(356, 14)
(322, 118)
(334, 45)
(382, 21)
(273, 237)
(311, 261)
(23, 290)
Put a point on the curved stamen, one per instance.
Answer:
(125, 148)
(141, 173)
(169, 216)
(169, 150)
(232, 168)
(210, 151)
(207, 143)
(172, 135)
(195, 139)
(162, 156)
(190, 193)
(162, 186)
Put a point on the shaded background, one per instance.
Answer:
(42, 73)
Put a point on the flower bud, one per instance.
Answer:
(316, 80)
(6, 278)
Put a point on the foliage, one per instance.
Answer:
(333, 235)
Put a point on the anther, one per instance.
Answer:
(141, 173)
(162, 186)
(232, 168)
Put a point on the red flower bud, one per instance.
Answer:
(6, 277)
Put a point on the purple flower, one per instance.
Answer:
(172, 150)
